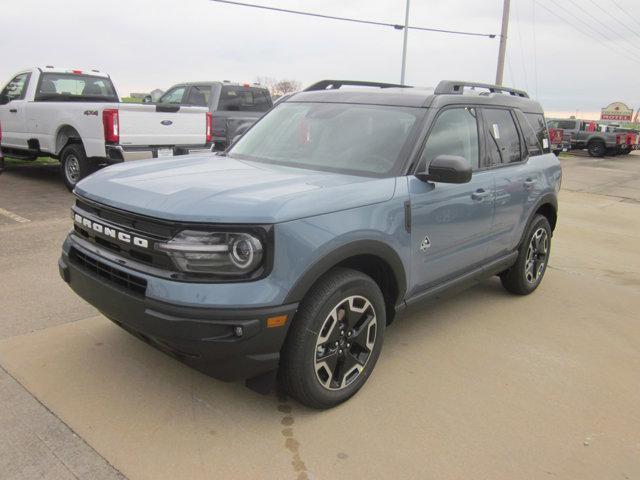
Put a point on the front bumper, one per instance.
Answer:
(120, 153)
(228, 344)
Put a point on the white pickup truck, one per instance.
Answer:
(76, 117)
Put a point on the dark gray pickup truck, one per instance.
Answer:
(585, 135)
(234, 106)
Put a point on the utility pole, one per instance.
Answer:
(404, 44)
(503, 41)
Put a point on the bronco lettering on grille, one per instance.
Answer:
(110, 232)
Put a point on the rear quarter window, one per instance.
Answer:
(537, 123)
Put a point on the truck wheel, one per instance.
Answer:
(596, 149)
(335, 339)
(74, 165)
(526, 274)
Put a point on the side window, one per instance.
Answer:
(455, 132)
(536, 120)
(175, 95)
(534, 147)
(16, 89)
(199, 96)
(503, 136)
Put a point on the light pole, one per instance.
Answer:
(404, 44)
(503, 41)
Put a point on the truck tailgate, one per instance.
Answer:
(142, 125)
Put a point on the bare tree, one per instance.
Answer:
(286, 86)
(279, 87)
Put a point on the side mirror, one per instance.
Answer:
(147, 99)
(447, 169)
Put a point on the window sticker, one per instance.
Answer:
(496, 131)
(545, 143)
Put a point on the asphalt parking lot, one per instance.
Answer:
(478, 385)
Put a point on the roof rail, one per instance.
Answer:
(335, 84)
(456, 87)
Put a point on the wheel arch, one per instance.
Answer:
(374, 258)
(547, 206)
(65, 135)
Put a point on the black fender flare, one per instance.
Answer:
(359, 247)
(546, 199)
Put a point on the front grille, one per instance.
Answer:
(151, 230)
(132, 283)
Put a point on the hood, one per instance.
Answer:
(217, 189)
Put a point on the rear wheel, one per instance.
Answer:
(526, 274)
(335, 339)
(74, 165)
(596, 148)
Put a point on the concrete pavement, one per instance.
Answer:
(480, 385)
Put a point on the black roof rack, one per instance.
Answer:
(335, 84)
(456, 87)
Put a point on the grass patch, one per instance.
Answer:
(38, 161)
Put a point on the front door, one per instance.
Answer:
(450, 223)
(12, 112)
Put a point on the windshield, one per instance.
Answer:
(69, 87)
(349, 138)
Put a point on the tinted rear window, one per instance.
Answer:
(244, 99)
(537, 123)
(69, 87)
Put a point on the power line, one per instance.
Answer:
(598, 21)
(356, 20)
(618, 21)
(579, 29)
(524, 67)
(589, 26)
(623, 10)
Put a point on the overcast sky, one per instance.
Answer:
(147, 44)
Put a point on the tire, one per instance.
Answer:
(314, 343)
(596, 148)
(74, 165)
(533, 257)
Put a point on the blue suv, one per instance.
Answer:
(288, 255)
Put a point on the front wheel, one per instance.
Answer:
(533, 257)
(335, 339)
(74, 165)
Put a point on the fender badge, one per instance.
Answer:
(425, 244)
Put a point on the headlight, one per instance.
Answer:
(215, 253)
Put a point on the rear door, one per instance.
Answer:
(12, 111)
(516, 180)
(450, 223)
(161, 125)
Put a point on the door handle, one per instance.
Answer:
(13, 110)
(479, 194)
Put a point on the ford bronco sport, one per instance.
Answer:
(338, 210)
